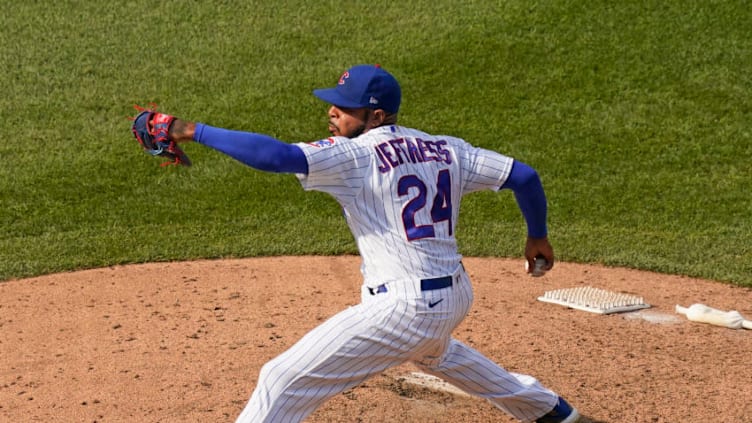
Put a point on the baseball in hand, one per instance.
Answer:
(539, 268)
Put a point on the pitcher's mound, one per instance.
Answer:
(176, 342)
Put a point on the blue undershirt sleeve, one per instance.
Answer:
(528, 191)
(259, 151)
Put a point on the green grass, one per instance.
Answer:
(636, 115)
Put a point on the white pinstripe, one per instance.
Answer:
(390, 328)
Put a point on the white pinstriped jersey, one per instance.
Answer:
(400, 190)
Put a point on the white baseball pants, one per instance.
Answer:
(387, 329)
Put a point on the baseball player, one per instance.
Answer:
(400, 190)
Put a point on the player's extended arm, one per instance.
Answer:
(528, 191)
(259, 151)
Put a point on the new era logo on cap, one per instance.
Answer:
(364, 86)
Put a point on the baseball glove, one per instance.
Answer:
(151, 129)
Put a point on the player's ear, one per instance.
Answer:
(376, 118)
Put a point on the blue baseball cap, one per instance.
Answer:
(364, 86)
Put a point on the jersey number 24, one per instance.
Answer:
(441, 208)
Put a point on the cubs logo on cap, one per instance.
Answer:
(343, 77)
(368, 86)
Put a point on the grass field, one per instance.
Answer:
(636, 114)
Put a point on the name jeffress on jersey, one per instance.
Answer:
(399, 151)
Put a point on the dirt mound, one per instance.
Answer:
(176, 342)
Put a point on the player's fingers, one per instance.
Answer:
(530, 265)
(549, 263)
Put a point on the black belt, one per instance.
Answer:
(425, 285)
(435, 283)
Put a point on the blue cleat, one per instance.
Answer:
(562, 413)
